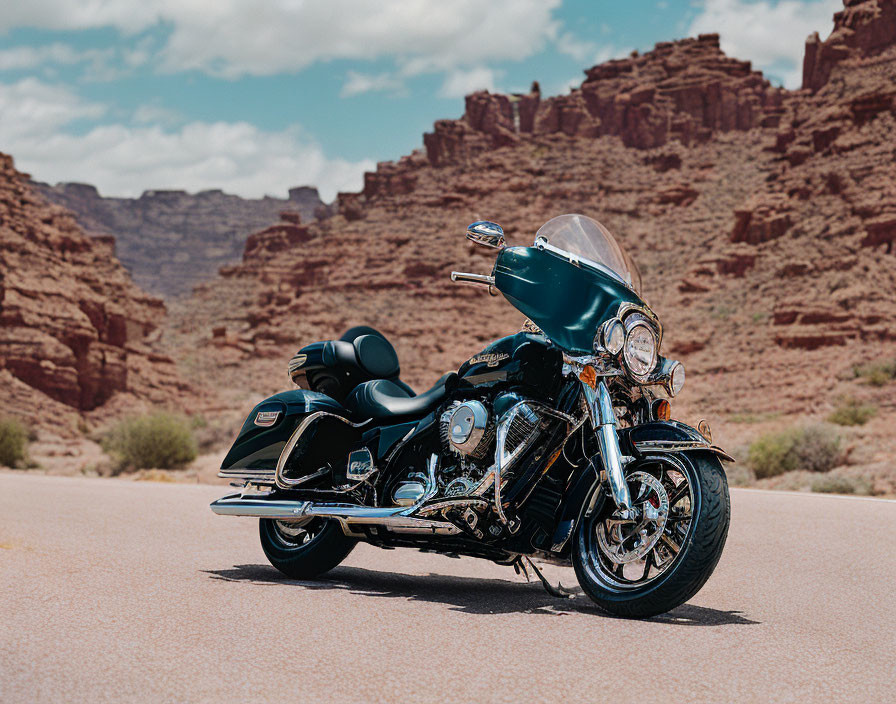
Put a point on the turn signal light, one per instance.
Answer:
(662, 409)
(589, 376)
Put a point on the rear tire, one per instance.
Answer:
(304, 551)
(671, 583)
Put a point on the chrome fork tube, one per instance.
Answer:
(603, 419)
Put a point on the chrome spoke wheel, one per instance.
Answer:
(627, 550)
(293, 535)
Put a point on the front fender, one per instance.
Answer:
(656, 436)
(667, 436)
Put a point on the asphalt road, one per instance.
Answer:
(113, 590)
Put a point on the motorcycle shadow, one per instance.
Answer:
(468, 594)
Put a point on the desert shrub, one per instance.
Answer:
(814, 448)
(850, 412)
(158, 440)
(13, 442)
(840, 485)
(876, 373)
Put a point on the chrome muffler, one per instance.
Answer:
(398, 519)
(347, 515)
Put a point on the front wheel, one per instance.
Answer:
(304, 550)
(662, 552)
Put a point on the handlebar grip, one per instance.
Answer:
(463, 277)
(466, 278)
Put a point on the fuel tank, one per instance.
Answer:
(524, 360)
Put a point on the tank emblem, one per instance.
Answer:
(491, 359)
(266, 419)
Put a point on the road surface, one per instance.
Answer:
(113, 590)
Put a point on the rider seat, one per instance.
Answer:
(383, 398)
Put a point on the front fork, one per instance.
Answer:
(603, 419)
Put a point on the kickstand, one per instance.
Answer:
(559, 591)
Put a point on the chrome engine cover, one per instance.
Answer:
(467, 428)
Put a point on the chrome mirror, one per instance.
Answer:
(488, 234)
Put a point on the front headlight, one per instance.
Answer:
(610, 336)
(676, 380)
(640, 349)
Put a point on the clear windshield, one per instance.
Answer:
(591, 243)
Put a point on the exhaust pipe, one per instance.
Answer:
(391, 518)
(398, 520)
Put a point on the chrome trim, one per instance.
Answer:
(487, 233)
(347, 515)
(254, 475)
(603, 418)
(398, 519)
(629, 328)
(462, 277)
(265, 419)
(451, 503)
(626, 308)
(279, 479)
(681, 446)
(576, 260)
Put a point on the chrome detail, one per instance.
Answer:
(681, 446)
(265, 419)
(261, 476)
(284, 482)
(517, 429)
(399, 520)
(607, 338)
(462, 277)
(649, 524)
(529, 326)
(296, 373)
(676, 380)
(627, 355)
(451, 503)
(603, 419)
(704, 429)
(573, 365)
(542, 244)
(465, 428)
(628, 549)
(626, 309)
(486, 233)
(459, 487)
(360, 465)
(408, 493)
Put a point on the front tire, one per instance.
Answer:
(306, 550)
(642, 566)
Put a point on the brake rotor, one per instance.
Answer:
(624, 539)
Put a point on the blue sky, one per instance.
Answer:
(255, 96)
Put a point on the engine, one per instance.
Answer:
(468, 429)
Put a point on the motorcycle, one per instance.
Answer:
(555, 443)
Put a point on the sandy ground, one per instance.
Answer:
(114, 590)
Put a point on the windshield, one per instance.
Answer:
(591, 243)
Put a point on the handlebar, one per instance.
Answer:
(463, 277)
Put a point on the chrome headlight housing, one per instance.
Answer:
(676, 379)
(639, 351)
(610, 336)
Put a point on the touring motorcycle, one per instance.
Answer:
(554, 443)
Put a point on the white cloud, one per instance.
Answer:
(233, 38)
(357, 83)
(770, 34)
(459, 82)
(125, 160)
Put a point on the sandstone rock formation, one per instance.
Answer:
(763, 221)
(73, 326)
(172, 240)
